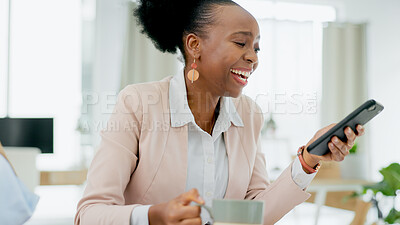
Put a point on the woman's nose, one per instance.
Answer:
(251, 57)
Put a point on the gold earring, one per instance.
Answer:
(193, 74)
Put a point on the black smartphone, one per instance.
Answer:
(361, 116)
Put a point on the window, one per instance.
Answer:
(45, 70)
(3, 55)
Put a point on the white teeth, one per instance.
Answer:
(243, 73)
(243, 79)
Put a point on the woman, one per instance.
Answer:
(193, 134)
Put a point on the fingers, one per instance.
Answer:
(336, 153)
(343, 147)
(189, 212)
(340, 149)
(180, 208)
(351, 137)
(191, 196)
(360, 130)
(177, 213)
(193, 221)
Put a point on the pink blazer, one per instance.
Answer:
(143, 160)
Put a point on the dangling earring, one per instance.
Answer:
(193, 74)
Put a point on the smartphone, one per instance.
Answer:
(361, 116)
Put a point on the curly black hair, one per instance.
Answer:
(166, 22)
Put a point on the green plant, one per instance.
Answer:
(388, 187)
(353, 150)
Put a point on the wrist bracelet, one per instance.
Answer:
(304, 164)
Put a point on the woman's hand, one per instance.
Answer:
(338, 149)
(178, 210)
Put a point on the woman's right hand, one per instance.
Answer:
(177, 211)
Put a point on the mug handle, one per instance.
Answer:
(208, 209)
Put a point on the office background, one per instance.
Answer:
(320, 59)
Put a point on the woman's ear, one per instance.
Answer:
(192, 44)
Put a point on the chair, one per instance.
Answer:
(328, 188)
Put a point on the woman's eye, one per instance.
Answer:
(257, 50)
(240, 44)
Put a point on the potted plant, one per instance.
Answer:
(389, 187)
(353, 150)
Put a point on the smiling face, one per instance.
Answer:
(228, 52)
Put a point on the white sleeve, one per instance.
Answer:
(140, 215)
(301, 178)
(17, 203)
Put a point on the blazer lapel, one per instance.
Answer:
(177, 148)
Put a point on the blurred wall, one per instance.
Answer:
(383, 69)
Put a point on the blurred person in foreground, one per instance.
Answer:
(17, 203)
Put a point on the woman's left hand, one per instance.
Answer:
(338, 149)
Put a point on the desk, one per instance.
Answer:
(75, 177)
(322, 186)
